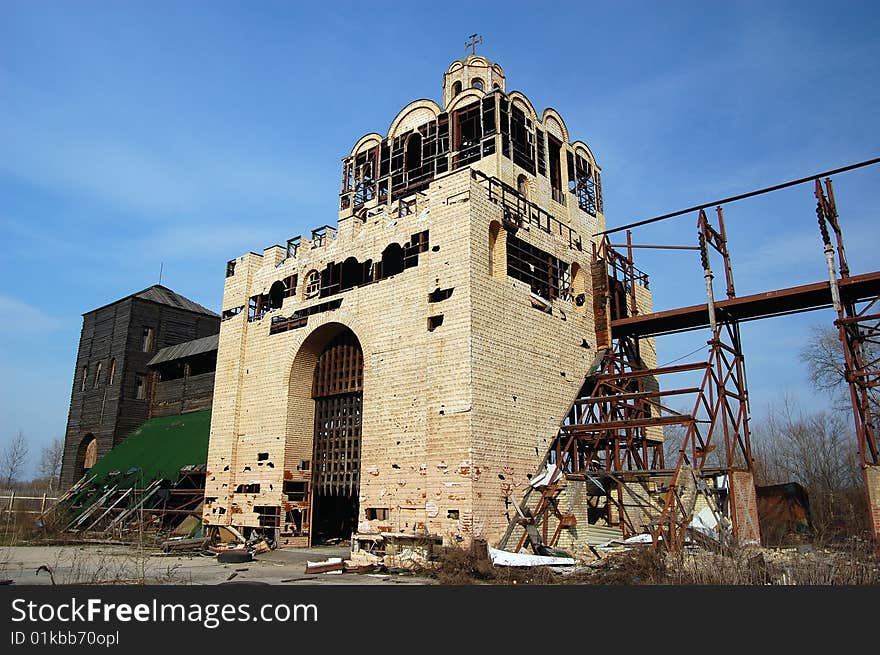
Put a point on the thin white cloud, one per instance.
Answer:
(20, 317)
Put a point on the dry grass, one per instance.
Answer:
(855, 564)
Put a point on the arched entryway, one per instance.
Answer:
(324, 432)
(87, 455)
(337, 389)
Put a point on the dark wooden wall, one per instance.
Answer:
(112, 411)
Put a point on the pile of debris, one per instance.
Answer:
(226, 543)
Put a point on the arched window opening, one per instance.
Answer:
(312, 286)
(98, 371)
(91, 454)
(111, 373)
(87, 455)
(276, 295)
(578, 290)
(497, 256)
(351, 274)
(392, 260)
(522, 185)
(456, 88)
(477, 84)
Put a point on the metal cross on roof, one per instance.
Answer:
(472, 44)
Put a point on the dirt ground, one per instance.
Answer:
(113, 564)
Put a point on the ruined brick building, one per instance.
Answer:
(406, 370)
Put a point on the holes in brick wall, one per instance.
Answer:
(453, 514)
(434, 322)
(438, 294)
(253, 488)
(377, 513)
(262, 457)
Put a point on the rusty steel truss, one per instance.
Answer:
(612, 440)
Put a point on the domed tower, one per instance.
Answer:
(471, 72)
(405, 370)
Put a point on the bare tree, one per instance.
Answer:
(13, 459)
(49, 466)
(817, 450)
(823, 355)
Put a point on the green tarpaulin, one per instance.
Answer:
(159, 448)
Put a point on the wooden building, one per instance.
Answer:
(113, 384)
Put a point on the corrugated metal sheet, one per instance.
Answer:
(186, 349)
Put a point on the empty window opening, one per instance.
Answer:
(229, 313)
(312, 284)
(456, 88)
(290, 286)
(230, 268)
(417, 244)
(256, 307)
(392, 260)
(376, 513)
(543, 272)
(542, 152)
(300, 317)
(203, 363)
(90, 456)
(439, 295)
(98, 371)
(477, 84)
(351, 274)
(497, 246)
(111, 373)
(522, 135)
(84, 378)
(359, 178)
(522, 185)
(330, 280)
(268, 516)
(554, 151)
(434, 322)
(276, 295)
(171, 371)
(297, 491)
(467, 130)
(584, 186)
(149, 339)
(140, 392)
(504, 125)
(489, 126)
(413, 157)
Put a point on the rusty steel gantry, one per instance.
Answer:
(612, 438)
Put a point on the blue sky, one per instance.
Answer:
(186, 133)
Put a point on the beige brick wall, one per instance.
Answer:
(455, 419)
